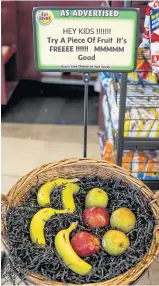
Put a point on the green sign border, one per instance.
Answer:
(56, 10)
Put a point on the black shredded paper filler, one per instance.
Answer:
(29, 258)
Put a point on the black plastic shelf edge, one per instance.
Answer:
(153, 185)
(141, 143)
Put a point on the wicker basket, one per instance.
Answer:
(76, 168)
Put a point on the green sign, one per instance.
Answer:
(81, 39)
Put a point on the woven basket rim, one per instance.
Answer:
(130, 275)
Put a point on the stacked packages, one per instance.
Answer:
(141, 118)
(142, 164)
(142, 122)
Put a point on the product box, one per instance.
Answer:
(151, 33)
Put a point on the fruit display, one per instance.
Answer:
(115, 242)
(123, 219)
(96, 217)
(96, 198)
(68, 255)
(43, 196)
(38, 223)
(67, 196)
(85, 244)
(80, 230)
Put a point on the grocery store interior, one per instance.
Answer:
(42, 113)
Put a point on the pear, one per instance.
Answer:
(123, 219)
(115, 242)
(96, 198)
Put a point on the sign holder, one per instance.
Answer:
(101, 41)
(122, 109)
(86, 79)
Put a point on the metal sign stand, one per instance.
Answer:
(122, 108)
(86, 79)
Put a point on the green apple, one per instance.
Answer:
(96, 198)
(123, 219)
(115, 242)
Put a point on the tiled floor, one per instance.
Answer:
(25, 147)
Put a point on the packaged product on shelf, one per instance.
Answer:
(105, 111)
(138, 164)
(157, 111)
(110, 130)
(112, 108)
(97, 85)
(144, 70)
(147, 128)
(146, 36)
(133, 77)
(149, 24)
(109, 153)
(156, 90)
(136, 124)
(106, 79)
(152, 170)
(143, 63)
(107, 148)
(140, 129)
(154, 35)
(154, 133)
(114, 116)
(153, 113)
(150, 154)
(144, 73)
(147, 77)
(142, 164)
(110, 112)
(101, 138)
(157, 154)
(144, 54)
(147, 113)
(134, 114)
(127, 124)
(127, 160)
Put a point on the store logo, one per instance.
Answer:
(45, 17)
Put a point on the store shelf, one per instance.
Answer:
(140, 103)
(141, 89)
(153, 185)
(144, 97)
(141, 143)
(8, 52)
(141, 96)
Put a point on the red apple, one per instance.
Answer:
(96, 217)
(85, 244)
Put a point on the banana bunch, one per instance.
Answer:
(38, 223)
(62, 242)
(67, 254)
(43, 197)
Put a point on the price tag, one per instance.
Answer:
(80, 39)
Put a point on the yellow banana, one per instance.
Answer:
(67, 254)
(43, 196)
(67, 196)
(38, 223)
